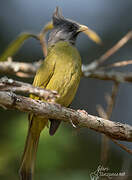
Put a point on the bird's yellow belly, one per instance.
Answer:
(65, 81)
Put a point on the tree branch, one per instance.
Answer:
(21, 87)
(110, 99)
(117, 76)
(20, 69)
(115, 48)
(97, 62)
(116, 130)
(29, 69)
(117, 64)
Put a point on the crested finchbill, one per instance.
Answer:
(60, 71)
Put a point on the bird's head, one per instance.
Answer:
(68, 30)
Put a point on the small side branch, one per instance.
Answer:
(116, 76)
(107, 115)
(115, 48)
(97, 62)
(114, 130)
(27, 70)
(20, 69)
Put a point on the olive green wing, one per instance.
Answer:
(44, 74)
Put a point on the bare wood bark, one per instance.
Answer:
(21, 87)
(29, 69)
(20, 69)
(114, 130)
(120, 77)
(117, 64)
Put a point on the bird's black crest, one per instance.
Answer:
(58, 17)
(64, 29)
(59, 20)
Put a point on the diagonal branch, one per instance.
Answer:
(116, 130)
(115, 48)
(97, 62)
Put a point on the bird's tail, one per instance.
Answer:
(29, 156)
(54, 124)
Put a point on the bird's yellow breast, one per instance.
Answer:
(61, 71)
(67, 72)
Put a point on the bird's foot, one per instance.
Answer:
(82, 111)
(73, 125)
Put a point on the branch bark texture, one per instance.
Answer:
(28, 70)
(114, 130)
(20, 69)
(116, 76)
(21, 87)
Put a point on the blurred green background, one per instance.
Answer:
(70, 154)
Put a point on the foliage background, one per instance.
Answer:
(70, 154)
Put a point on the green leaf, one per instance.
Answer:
(15, 45)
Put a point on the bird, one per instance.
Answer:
(60, 71)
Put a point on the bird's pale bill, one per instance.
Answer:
(90, 33)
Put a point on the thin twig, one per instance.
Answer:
(42, 37)
(110, 105)
(43, 44)
(115, 48)
(110, 101)
(96, 63)
(104, 139)
(117, 64)
(122, 146)
(117, 76)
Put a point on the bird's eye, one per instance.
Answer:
(71, 28)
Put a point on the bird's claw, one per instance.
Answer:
(73, 124)
(82, 111)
